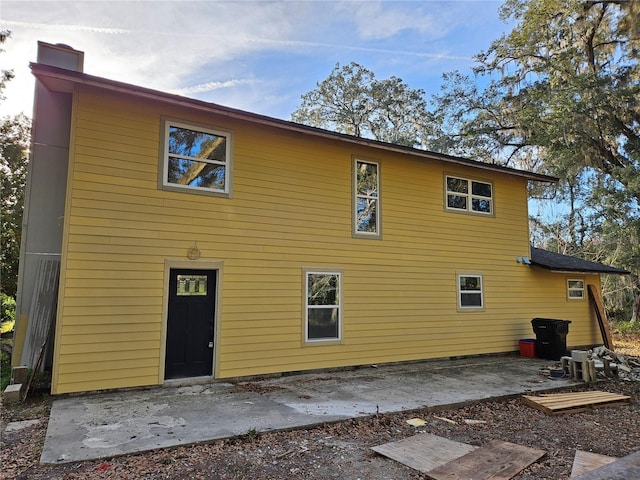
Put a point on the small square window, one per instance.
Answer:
(195, 159)
(575, 289)
(323, 306)
(470, 295)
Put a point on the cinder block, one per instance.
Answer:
(19, 374)
(12, 393)
(579, 355)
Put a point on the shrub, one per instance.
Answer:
(627, 327)
(5, 370)
(8, 308)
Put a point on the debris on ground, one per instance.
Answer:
(471, 421)
(416, 422)
(495, 459)
(628, 368)
(448, 420)
(343, 449)
(558, 403)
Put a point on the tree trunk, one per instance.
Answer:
(635, 316)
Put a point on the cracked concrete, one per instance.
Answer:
(110, 424)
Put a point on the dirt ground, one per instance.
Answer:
(342, 450)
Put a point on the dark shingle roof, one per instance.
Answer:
(566, 263)
(60, 79)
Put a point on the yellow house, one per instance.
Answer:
(196, 241)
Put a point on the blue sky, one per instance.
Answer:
(257, 56)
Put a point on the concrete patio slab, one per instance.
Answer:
(110, 424)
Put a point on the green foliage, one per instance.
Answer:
(5, 75)
(252, 434)
(627, 327)
(8, 309)
(14, 141)
(563, 92)
(352, 101)
(7, 314)
(563, 98)
(5, 370)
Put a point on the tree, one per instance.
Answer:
(562, 97)
(352, 101)
(14, 143)
(565, 88)
(5, 75)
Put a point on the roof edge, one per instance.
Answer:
(41, 71)
(559, 263)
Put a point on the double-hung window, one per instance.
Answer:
(575, 289)
(470, 295)
(323, 306)
(196, 159)
(367, 199)
(469, 195)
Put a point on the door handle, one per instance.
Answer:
(210, 344)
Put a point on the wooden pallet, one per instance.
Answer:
(556, 404)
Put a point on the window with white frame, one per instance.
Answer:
(469, 195)
(323, 306)
(575, 289)
(367, 198)
(196, 159)
(470, 294)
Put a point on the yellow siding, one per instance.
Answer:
(290, 209)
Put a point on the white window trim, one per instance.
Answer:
(460, 292)
(163, 182)
(470, 196)
(356, 195)
(305, 292)
(581, 290)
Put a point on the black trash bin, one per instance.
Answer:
(551, 337)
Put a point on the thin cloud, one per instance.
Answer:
(410, 53)
(196, 48)
(377, 20)
(211, 86)
(70, 28)
(386, 51)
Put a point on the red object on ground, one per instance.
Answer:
(527, 347)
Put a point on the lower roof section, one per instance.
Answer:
(566, 263)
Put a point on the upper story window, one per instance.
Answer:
(323, 306)
(575, 289)
(367, 198)
(469, 195)
(196, 159)
(470, 295)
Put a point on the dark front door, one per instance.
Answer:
(190, 325)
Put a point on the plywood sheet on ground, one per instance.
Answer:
(558, 403)
(497, 460)
(586, 461)
(424, 452)
(625, 468)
